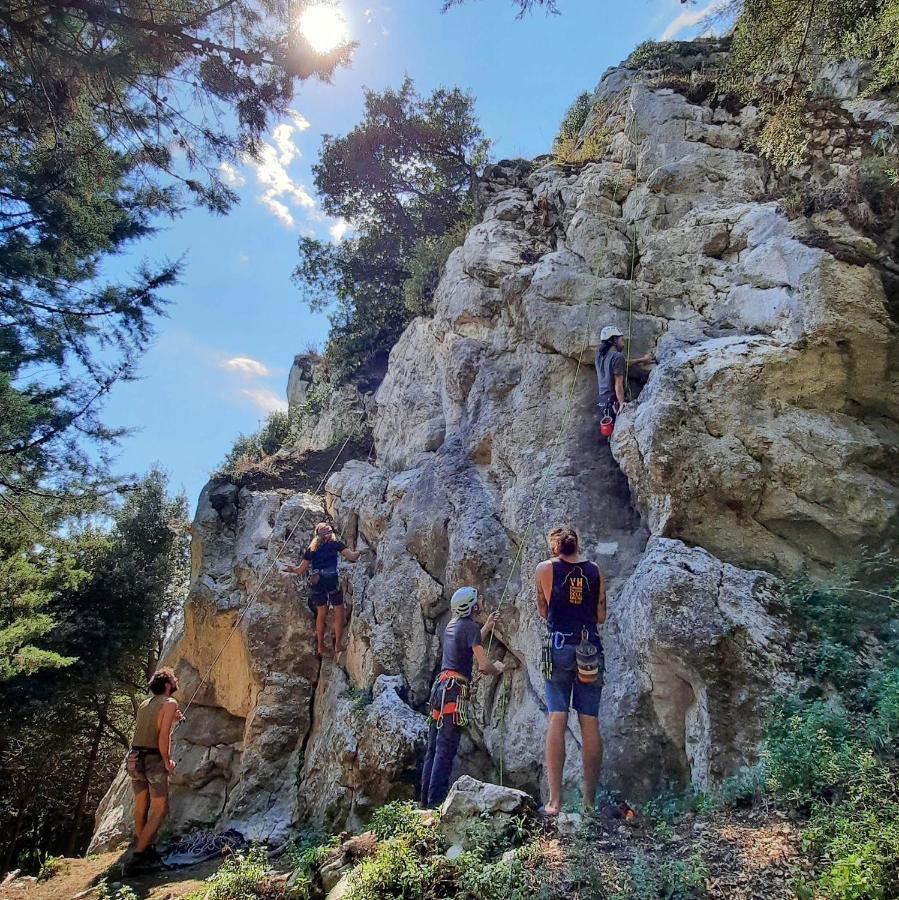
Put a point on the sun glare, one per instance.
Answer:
(324, 26)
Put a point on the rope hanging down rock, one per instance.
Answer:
(262, 581)
(557, 444)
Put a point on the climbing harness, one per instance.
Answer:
(587, 657)
(557, 444)
(262, 581)
(454, 694)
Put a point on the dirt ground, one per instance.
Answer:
(78, 876)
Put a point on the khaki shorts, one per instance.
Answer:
(148, 771)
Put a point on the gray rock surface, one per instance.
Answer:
(472, 802)
(766, 436)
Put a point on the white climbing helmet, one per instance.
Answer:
(464, 601)
(609, 332)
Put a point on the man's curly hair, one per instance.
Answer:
(162, 677)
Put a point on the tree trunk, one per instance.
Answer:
(86, 779)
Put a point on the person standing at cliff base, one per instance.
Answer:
(324, 583)
(463, 642)
(571, 597)
(611, 366)
(149, 763)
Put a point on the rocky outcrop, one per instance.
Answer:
(765, 437)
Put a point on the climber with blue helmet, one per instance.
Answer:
(463, 643)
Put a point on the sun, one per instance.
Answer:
(324, 26)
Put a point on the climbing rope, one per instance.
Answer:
(557, 444)
(262, 581)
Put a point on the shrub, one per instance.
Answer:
(481, 880)
(426, 266)
(809, 750)
(673, 879)
(573, 121)
(51, 866)
(122, 892)
(250, 449)
(304, 857)
(400, 819)
(241, 877)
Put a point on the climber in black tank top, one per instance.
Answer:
(574, 603)
(571, 596)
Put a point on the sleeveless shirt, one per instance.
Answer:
(146, 726)
(574, 602)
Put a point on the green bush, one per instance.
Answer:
(482, 880)
(398, 868)
(573, 121)
(242, 876)
(400, 819)
(51, 866)
(426, 266)
(304, 857)
(672, 879)
(809, 750)
(250, 449)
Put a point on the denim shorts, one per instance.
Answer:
(563, 690)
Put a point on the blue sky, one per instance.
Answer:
(221, 357)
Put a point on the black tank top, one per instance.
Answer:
(575, 599)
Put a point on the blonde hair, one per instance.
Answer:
(563, 540)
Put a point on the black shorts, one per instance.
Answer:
(318, 599)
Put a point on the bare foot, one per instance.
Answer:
(324, 653)
(551, 809)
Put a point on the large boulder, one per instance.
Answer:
(694, 650)
(477, 803)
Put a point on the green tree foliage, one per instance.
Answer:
(405, 176)
(832, 751)
(779, 45)
(249, 449)
(111, 114)
(574, 120)
(63, 735)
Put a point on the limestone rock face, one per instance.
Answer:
(694, 648)
(765, 437)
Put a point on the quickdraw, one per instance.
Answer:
(547, 655)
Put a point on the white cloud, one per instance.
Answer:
(278, 210)
(245, 365)
(689, 18)
(266, 400)
(283, 138)
(338, 230)
(369, 15)
(231, 176)
(281, 191)
(243, 259)
(301, 123)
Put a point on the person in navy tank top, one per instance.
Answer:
(571, 597)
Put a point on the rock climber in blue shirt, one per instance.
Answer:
(320, 560)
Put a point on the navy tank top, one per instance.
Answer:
(574, 602)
